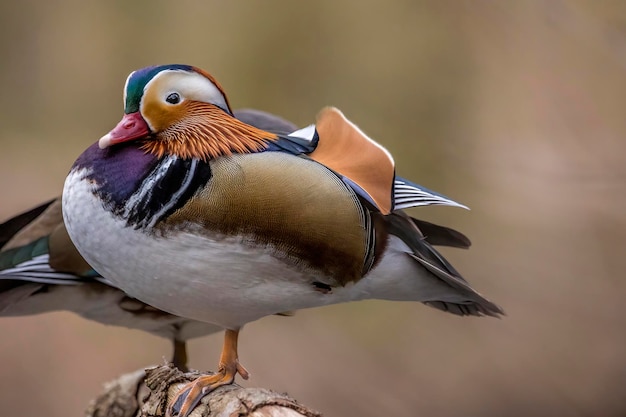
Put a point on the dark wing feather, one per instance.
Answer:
(9, 228)
(438, 235)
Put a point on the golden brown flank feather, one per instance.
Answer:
(204, 131)
(253, 195)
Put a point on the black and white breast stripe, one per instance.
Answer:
(171, 183)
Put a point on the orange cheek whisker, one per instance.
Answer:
(206, 132)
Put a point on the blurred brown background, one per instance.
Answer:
(513, 108)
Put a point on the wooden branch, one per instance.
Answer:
(149, 393)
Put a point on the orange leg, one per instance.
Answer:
(229, 367)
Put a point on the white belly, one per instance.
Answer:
(215, 279)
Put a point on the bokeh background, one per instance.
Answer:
(513, 108)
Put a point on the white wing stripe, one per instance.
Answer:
(38, 270)
(407, 195)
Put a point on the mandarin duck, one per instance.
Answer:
(41, 271)
(196, 213)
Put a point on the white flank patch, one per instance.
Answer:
(306, 133)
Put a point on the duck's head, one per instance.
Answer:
(181, 110)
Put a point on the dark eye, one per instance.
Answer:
(173, 98)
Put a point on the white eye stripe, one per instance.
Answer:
(190, 85)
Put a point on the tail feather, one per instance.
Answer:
(458, 309)
(406, 229)
(479, 306)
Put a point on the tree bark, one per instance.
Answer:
(149, 393)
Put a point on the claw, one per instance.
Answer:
(178, 403)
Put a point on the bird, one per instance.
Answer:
(192, 211)
(41, 271)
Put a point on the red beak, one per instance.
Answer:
(132, 126)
